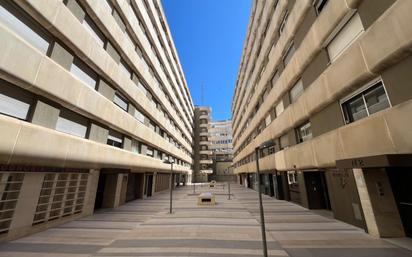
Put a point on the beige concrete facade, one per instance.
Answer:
(202, 156)
(325, 85)
(92, 101)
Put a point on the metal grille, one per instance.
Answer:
(10, 185)
(62, 195)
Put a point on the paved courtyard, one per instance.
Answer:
(229, 229)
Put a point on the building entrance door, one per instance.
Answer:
(317, 191)
(400, 179)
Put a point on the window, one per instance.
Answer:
(125, 69)
(136, 146)
(115, 139)
(289, 54)
(149, 151)
(319, 5)
(268, 120)
(121, 101)
(284, 142)
(296, 91)
(368, 102)
(139, 116)
(84, 73)
(304, 132)
(345, 37)
(92, 28)
(283, 23)
(23, 27)
(275, 78)
(71, 123)
(279, 108)
(14, 101)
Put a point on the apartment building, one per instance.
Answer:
(220, 136)
(323, 99)
(93, 101)
(202, 155)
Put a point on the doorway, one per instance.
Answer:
(400, 179)
(316, 188)
(148, 185)
(134, 187)
(100, 191)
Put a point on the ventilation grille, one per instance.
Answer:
(62, 195)
(10, 185)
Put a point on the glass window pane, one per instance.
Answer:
(24, 31)
(121, 102)
(70, 127)
(79, 71)
(139, 116)
(376, 99)
(355, 109)
(279, 108)
(89, 25)
(296, 91)
(305, 132)
(13, 107)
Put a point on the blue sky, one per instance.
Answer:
(208, 35)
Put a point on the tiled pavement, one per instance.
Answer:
(229, 229)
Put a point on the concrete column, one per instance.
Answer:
(127, 144)
(123, 190)
(91, 191)
(154, 182)
(98, 133)
(45, 115)
(302, 188)
(26, 205)
(106, 90)
(112, 191)
(76, 10)
(62, 56)
(378, 203)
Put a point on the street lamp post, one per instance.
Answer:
(262, 214)
(171, 183)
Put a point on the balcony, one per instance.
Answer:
(204, 134)
(206, 171)
(204, 125)
(204, 116)
(207, 152)
(206, 161)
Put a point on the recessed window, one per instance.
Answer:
(283, 23)
(14, 101)
(23, 27)
(284, 142)
(296, 91)
(115, 139)
(149, 151)
(268, 120)
(126, 69)
(84, 73)
(319, 5)
(121, 101)
(345, 36)
(275, 78)
(92, 28)
(289, 54)
(279, 108)
(304, 132)
(139, 116)
(365, 103)
(136, 146)
(71, 123)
